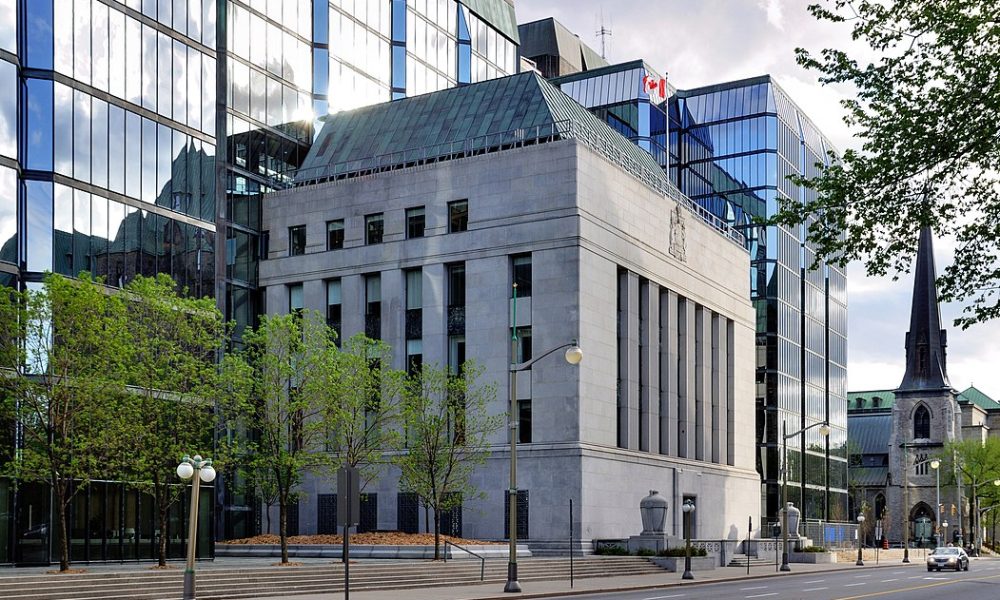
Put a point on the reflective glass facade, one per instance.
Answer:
(732, 147)
(631, 98)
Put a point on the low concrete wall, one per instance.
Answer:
(364, 551)
(813, 558)
(676, 563)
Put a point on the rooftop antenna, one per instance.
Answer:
(605, 34)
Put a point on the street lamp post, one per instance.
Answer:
(688, 509)
(198, 470)
(861, 525)
(944, 525)
(824, 429)
(573, 356)
(936, 465)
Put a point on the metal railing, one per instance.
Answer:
(482, 560)
(518, 138)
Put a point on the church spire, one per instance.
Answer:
(926, 368)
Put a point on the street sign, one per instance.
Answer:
(348, 497)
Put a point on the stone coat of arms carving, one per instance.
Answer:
(678, 244)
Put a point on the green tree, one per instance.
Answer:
(448, 428)
(63, 346)
(173, 343)
(927, 113)
(976, 464)
(361, 411)
(271, 405)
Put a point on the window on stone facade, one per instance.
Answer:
(415, 222)
(297, 240)
(458, 216)
(522, 274)
(335, 234)
(921, 423)
(373, 228)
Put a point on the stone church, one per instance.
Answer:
(894, 436)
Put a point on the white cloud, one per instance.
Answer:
(774, 14)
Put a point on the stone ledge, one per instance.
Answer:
(365, 551)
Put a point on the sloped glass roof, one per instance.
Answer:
(498, 13)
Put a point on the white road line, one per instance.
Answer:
(663, 597)
(815, 589)
(861, 576)
(888, 580)
(897, 572)
(762, 595)
(815, 581)
(854, 584)
(759, 587)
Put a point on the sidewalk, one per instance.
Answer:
(536, 589)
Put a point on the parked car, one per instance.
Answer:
(950, 557)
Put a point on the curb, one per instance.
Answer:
(675, 584)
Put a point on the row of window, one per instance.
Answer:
(458, 221)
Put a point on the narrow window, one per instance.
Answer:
(334, 313)
(297, 240)
(458, 216)
(373, 228)
(335, 234)
(522, 274)
(922, 423)
(295, 304)
(415, 222)
(373, 306)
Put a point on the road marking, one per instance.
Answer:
(815, 589)
(854, 584)
(888, 580)
(762, 595)
(861, 576)
(897, 572)
(663, 597)
(759, 587)
(814, 581)
(916, 587)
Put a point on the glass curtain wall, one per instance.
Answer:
(735, 144)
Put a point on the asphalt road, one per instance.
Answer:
(981, 582)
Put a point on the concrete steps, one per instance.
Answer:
(222, 583)
(740, 560)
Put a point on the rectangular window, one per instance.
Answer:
(373, 306)
(297, 240)
(524, 421)
(265, 244)
(373, 228)
(456, 285)
(458, 216)
(523, 345)
(295, 304)
(414, 289)
(334, 314)
(415, 222)
(521, 267)
(335, 234)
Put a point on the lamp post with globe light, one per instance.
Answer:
(198, 470)
(688, 508)
(573, 356)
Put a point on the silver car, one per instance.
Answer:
(948, 558)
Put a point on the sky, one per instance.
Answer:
(699, 42)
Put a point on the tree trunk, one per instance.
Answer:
(162, 542)
(283, 528)
(267, 515)
(60, 493)
(437, 534)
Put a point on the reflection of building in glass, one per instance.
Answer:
(107, 164)
(735, 146)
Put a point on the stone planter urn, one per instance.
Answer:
(793, 520)
(653, 509)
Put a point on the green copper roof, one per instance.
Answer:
(498, 13)
(978, 398)
(523, 106)
(875, 399)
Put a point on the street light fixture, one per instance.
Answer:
(824, 430)
(200, 470)
(573, 356)
(861, 525)
(936, 465)
(688, 509)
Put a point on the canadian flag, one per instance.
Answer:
(655, 84)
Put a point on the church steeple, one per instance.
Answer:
(926, 368)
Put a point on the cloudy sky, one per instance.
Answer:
(698, 42)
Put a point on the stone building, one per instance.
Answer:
(896, 435)
(511, 180)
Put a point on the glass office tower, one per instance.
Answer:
(109, 145)
(141, 136)
(734, 145)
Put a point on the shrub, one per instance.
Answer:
(645, 552)
(612, 550)
(814, 549)
(679, 552)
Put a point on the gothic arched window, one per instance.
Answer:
(921, 423)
